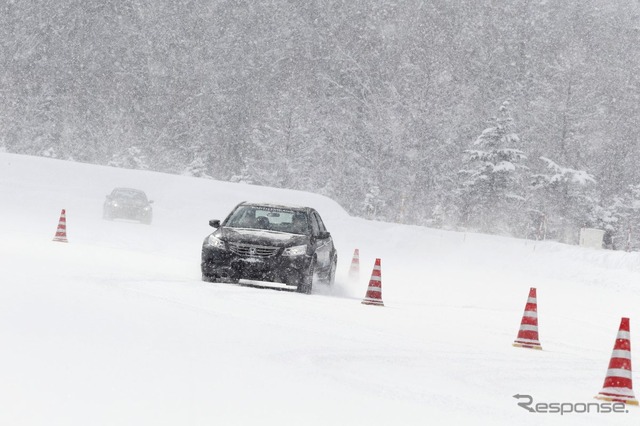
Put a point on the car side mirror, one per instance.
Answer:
(324, 235)
(214, 223)
(150, 201)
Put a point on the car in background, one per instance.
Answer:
(128, 203)
(270, 243)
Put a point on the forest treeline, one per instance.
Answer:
(515, 117)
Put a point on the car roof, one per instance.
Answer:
(128, 190)
(276, 206)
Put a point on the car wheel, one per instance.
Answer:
(228, 280)
(330, 279)
(106, 215)
(328, 275)
(208, 279)
(217, 279)
(306, 282)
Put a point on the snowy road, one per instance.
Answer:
(116, 328)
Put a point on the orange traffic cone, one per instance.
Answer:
(618, 386)
(354, 270)
(374, 292)
(528, 334)
(61, 232)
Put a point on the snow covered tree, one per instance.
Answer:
(197, 168)
(373, 203)
(632, 207)
(624, 219)
(130, 158)
(562, 195)
(331, 96)
(610, 219)
(491, 195)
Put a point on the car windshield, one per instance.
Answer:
(269, 218)
(131, 195)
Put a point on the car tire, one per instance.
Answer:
(306, 282)
(330, 279)
(216, 279)
(228, 280)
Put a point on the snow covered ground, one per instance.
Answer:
(116, 327)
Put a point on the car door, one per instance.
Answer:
(322, 239)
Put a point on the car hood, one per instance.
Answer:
(260, 237)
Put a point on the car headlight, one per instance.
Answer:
(213, 241)
(295, 251)
(146, 208)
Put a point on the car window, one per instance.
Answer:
(242, 217)
(315, 228)
(128, 194)
(320, 223)
(275, 217)
(300, 223)
(269, 218)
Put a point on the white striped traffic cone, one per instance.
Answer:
(354, 270)
(61, 232)
(374, 292)
(528, 334)
(618, 386)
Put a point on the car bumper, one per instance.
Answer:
(129, 212)
(221, 264)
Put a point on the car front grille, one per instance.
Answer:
(252, 250)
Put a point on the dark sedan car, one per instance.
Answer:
(128, 203)
(270, 243)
